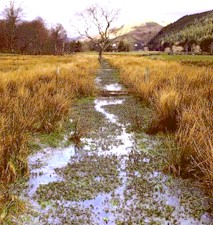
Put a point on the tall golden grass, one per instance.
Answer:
(36, 94)
(182, 101)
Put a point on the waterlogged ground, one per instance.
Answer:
(113, 176)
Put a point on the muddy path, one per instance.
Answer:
(114, 175)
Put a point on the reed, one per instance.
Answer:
(36, 95)
(182, 100)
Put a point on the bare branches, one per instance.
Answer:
(59, 36)
(12, 13)
(29, 37)
(97, 19)
(12, 16)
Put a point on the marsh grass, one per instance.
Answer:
(36, 95)
(181, 97)
(80, 129)
(11, 204)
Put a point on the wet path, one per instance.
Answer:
(114, 176)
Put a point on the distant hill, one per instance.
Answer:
(137, 36)
(190, 29)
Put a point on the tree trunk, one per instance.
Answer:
(63, 48)
(100, 55)
(56, 49)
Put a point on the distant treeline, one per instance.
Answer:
(192, 33)
(32, 37)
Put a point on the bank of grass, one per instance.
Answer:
(10, 204)
(182, 100)
(182, 57)
(192, 60)
(36, 95)
(186, 59)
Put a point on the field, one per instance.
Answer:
(181, 96)
(194, 60)
(37, 93)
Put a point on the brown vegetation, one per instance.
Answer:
(182, 101)
(36, 94)
(30, 37)
(100, 19)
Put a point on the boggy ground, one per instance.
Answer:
(114, 175)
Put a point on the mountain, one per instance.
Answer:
(191, 29)
(137, 36)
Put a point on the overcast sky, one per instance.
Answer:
(62, 11)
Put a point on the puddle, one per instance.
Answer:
(113, 179)
(43, 165)
(97, 80)
(100, 103)
(113, 87)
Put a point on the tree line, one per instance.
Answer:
(32, 37)
(188, 32)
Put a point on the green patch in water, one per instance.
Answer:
(53, 139)
(83, 180)
(86, 100)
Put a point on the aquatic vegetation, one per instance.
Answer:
(36, 96)
(181, 99)
(113, 177)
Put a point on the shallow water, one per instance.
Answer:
(44, 163)
(114, 178)
(101, 102)
(113, 87)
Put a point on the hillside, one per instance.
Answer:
(138, 36)
(190, 29)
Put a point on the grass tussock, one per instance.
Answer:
(182, 100)
(36, 94)
(10, 204)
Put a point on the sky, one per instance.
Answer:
(131, 12)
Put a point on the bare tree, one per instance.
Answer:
(3, 38)
(32, 37)
(59, 36)
(12, 16)
(99, 19)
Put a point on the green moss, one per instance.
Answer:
(52, 139)
(44, 204)
(33, 146)
(86, 100)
